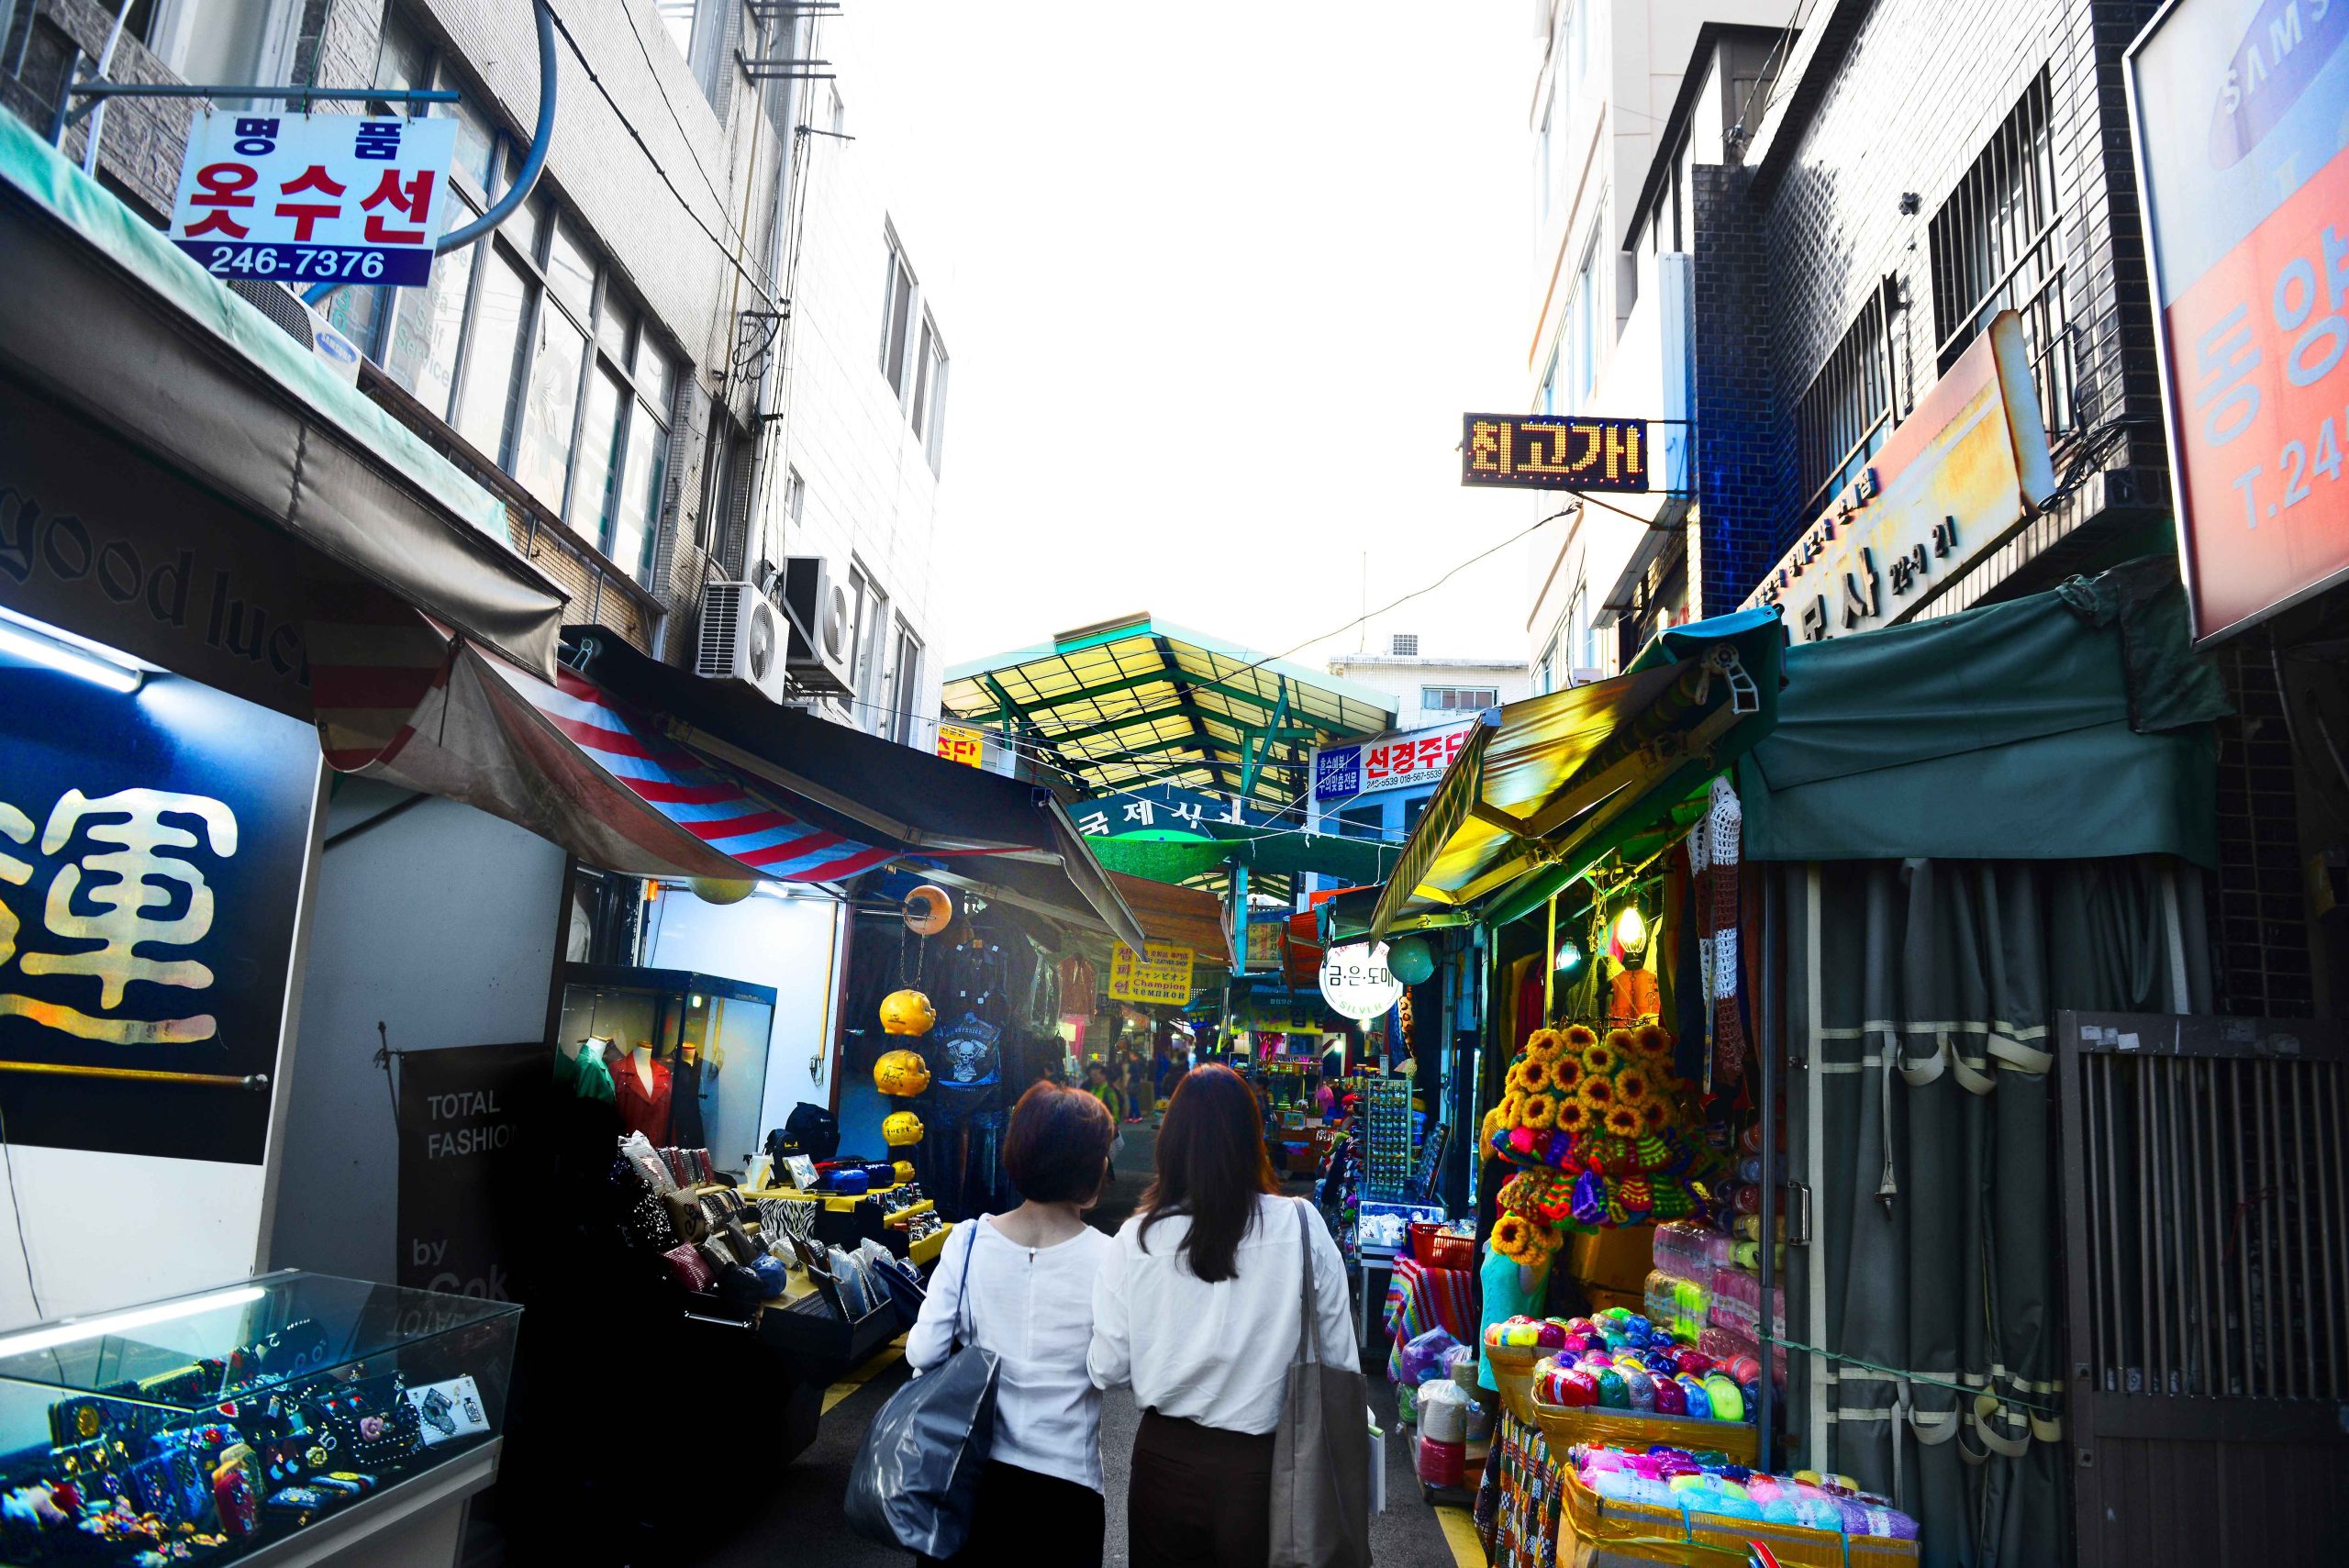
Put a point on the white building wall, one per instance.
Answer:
(871, 496)
(1407, 680)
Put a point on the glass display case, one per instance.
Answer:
(685, 1054)
(212, 1427)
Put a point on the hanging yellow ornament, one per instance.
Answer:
(901, 1128)
(903, 1074)
(907, 1012)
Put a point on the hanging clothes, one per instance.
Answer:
(1077, 980)
(587, 1077)
(686, 1124)
(642, 1109)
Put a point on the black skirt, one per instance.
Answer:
(1034, 1520)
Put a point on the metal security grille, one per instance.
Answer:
(1846, 411)
(2258, 909)
(1994, 247)
(2206, 1206)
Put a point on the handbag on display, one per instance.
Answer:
(689, 1269)
(740, 1286)
(916, 1480)
(686, 1218)
(1322, 1447)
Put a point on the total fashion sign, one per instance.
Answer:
(1966, 466)
(1391, 761)
(2239, 109)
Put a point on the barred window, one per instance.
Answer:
(1995, 247)
(1458, 699)
(1846, 412)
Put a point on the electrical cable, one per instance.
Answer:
(638, 137)
(24, 1247)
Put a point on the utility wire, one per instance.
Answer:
(638, 137)
(627, 12)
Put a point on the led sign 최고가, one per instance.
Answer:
(1553, 451)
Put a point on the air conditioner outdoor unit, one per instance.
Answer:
(286, 312)
(821, 655)
(743, 635)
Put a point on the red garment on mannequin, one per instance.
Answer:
(642, 1111)
(1634, 998)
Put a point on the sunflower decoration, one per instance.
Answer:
(1623, 1122)
(1631, 1086)
(1601, 1057)
(1566, 1075)
(1531, 1077)
(1522, 1241)
(1580, 1037)
(1654, 1116)
(1574, 1117)
(1545, 1046)
(1540, 1112)
(1596, 1091)
(1650, 1041)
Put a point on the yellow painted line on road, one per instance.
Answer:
(1460, 1534)
(865, 1374)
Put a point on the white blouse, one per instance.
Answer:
(1217, 1354)
(1033, 1308)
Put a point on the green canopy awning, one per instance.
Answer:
(1559, 781)
(1277, 854)
(2001, 733)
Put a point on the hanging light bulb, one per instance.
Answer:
(1632, 928)
(1569, 957)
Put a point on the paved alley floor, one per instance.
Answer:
(799, 1520)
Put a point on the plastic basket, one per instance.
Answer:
(1651, 1534)
(1566, 1425)
(1436, 1248)
(1512, 1369)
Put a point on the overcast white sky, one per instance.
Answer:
(1219, 281)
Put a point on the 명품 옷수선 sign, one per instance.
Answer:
(314, 198)
(1544, 451)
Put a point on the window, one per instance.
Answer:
(1366, 821)
(524, 343)
(869, 609)
(1847, 411)
(913, 355)
(699, 28)
(210, 41)
(905, 686)
(1994, 247)
(1458, 699)
(1404, 645)
(1545, 672)
(1584, 328)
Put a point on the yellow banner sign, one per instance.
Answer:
(961, 743)
(1161, 976)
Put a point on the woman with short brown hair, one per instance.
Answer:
(1022, 1284)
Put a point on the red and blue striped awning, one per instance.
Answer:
(398, 699)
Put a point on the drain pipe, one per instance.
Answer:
(526, 178)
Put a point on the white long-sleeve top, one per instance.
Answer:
(1033, 1308)
(1217, 1354)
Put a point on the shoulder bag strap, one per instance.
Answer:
(962, 1310)
(1308, 1316)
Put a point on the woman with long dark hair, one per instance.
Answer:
(1197, 1307)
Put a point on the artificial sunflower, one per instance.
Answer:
(1580, 1037)
(1512, 1109)
(1566, 1075)
(1623, 1122)
(1513, 1239)
(1574, 1117)
(1541, 1042)
(1494, 1126)
(1600, 1057)
(1596, 1093)
(1631, 1086)
(1532, 1075)
(1655, 1115)
(1649, 1040)
(1541, 1113)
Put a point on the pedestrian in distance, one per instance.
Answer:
(1029, 1276)
(1197, 1307)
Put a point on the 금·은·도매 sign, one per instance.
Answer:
(314, 198)
(1357, 983)
(1544, 451)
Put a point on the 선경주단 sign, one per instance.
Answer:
(1161, 976)
(314, 199)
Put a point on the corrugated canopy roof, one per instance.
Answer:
(1135, 701)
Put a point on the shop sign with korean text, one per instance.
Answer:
(1357, 983)
(2238, 108)
(1162, 975)
(1544, 451)
(314, 198)
(961, 743)
(1162, 811)
(1965, 467)
(1392, 762)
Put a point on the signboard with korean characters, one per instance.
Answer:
(961, 743)
(314, 198)
(1391, 761)
(1544, 451)
(1160, 975)
(1967, 465)
(2238, 107)
(1162, 811)
(1357, 983)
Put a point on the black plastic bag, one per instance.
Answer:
(916, 1480)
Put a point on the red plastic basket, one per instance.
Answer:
(1436, 1248)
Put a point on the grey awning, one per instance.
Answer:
(102, 314)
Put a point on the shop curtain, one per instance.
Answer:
(1918, 999)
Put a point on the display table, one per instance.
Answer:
(419, 1523)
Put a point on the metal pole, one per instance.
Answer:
(1765, 1257)
(1550, 967)
(526, 178)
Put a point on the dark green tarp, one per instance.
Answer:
(1275, 853)
(2001, 733)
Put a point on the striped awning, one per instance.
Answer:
(401, 699)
